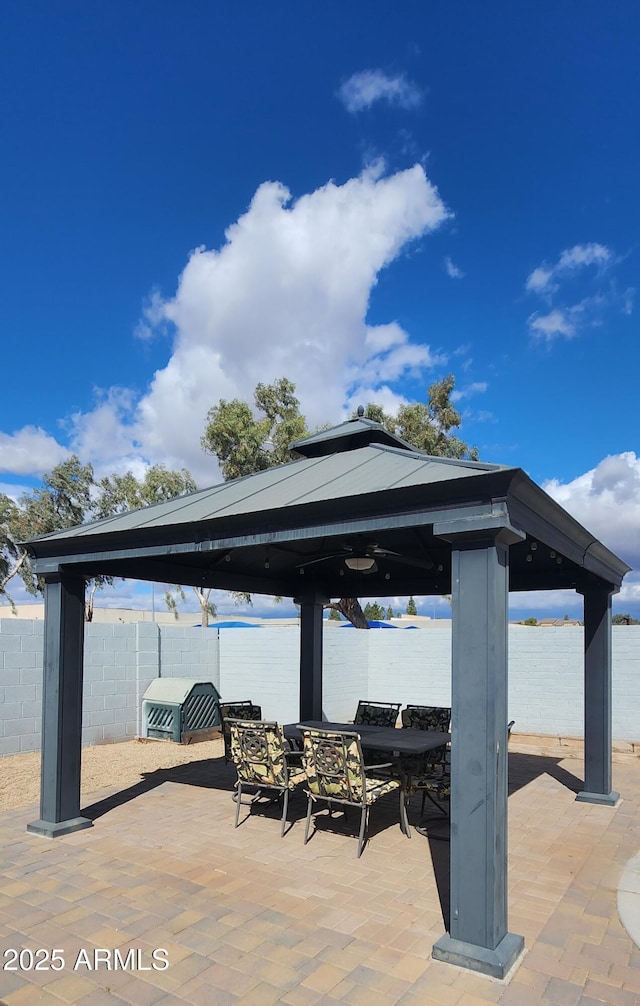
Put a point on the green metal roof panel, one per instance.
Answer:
(371, 469)
(351, 435)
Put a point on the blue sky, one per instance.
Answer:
(363, 198)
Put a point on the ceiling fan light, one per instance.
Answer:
(360, 563)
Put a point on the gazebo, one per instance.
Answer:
(360, 513)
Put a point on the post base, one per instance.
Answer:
(48, 829)
(606, 799)
(496, 963)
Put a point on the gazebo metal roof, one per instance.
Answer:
(268, 525)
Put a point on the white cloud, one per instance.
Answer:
(14, 490)
(30, 451)
(545, 279)
(363, 89)
(452, 270)
(583, 255)
(550, 326)
(286, 294)
(606, 500)
(475, 388)
(540, 280)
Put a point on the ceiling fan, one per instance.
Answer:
(362, 558)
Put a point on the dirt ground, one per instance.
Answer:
(103, 767)
(125, 763)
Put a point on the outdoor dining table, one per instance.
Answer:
(403, 741)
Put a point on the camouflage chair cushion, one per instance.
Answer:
(427, 718)
(436, 780)
(258, 751)
(245, 710)
(377, 714)
(335, 769)
(240, 711)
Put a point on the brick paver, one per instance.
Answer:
(246, 917)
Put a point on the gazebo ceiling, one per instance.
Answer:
(354, 491)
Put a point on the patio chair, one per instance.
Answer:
(336, 774)
(433, 776)
(263, 760)
(377, 714)
(427, 718)
(245, 709)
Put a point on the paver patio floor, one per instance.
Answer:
(245, 917)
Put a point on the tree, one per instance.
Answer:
(624, 620)
(411, 607)
(530, 621)
(69, 495)
(246, 441)
(12, 557)
(244, 444)
(63, 500)
(334, 615)
(119, 493)
(389, 612)
(373, 611)
(428, 426)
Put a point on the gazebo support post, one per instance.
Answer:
(62, 708)
(311, 607)
(597, 697)
(478, 938)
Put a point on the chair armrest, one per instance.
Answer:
(385, 764)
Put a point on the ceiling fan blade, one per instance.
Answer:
(319, 558)
(411, 561)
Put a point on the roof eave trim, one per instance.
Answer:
(536, 512)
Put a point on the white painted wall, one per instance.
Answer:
(395, 665)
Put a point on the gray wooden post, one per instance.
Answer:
(311, 606)
(479, 938)
(597, 697)
(62, 708)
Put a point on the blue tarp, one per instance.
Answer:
(373, 624)
(230, 625)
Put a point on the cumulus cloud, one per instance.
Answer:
(475, 388)
(365, 88)
(30, 451)
(545, 279)
(567, 320)
(286, 294)
(452, 270)
(606, 500)
(549, 326)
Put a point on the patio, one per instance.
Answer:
(247, 917)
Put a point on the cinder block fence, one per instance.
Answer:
(545, 674)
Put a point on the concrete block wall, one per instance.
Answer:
(545, 674)
(262, 665)
(21, 642)
(120, 662)
(345, 672)
(411, 666)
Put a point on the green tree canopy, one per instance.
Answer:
(411, 607)
(69, 495)
(373, 611)
(244, 442)
(427, 426)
